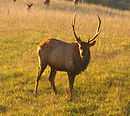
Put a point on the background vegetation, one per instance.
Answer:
(102, 90)
(117, 4)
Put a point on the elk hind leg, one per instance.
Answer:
(40, 71)
(52, 79)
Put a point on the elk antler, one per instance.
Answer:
(73, 26)
(97, 31)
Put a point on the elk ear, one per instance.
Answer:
(92, 43)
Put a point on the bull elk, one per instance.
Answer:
(46, 2)
(72, 58)
(76, 2)
(29, 5)
(14, 1)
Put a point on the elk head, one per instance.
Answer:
(91, 42)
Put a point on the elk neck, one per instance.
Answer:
(85, 58)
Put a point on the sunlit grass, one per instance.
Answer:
(103, 89)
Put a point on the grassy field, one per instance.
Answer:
(102, 90)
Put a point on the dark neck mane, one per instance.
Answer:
(85, 59)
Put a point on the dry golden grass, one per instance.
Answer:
(102, 90)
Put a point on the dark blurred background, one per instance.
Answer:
(117, 4)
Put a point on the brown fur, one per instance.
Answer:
(60, 55)
(76, 1)
(46, 2)
(14, 0)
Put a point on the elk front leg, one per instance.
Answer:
(71, 83)
(40, 71)
(52, 79)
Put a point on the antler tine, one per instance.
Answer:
(97, 31)
(99, 24)
(73, 26)
(73, 21)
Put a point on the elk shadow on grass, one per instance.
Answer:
(3, 109)
(128, 109)
(78, 103)
(10, 75)
(93, 90)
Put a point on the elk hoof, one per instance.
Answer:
(55, 92)
(69, 98)
(67, 91)
(35, 93)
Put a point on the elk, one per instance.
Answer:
(76, 2)
(14, 1)
(72, 58)
(29, 5)
(46, 2)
